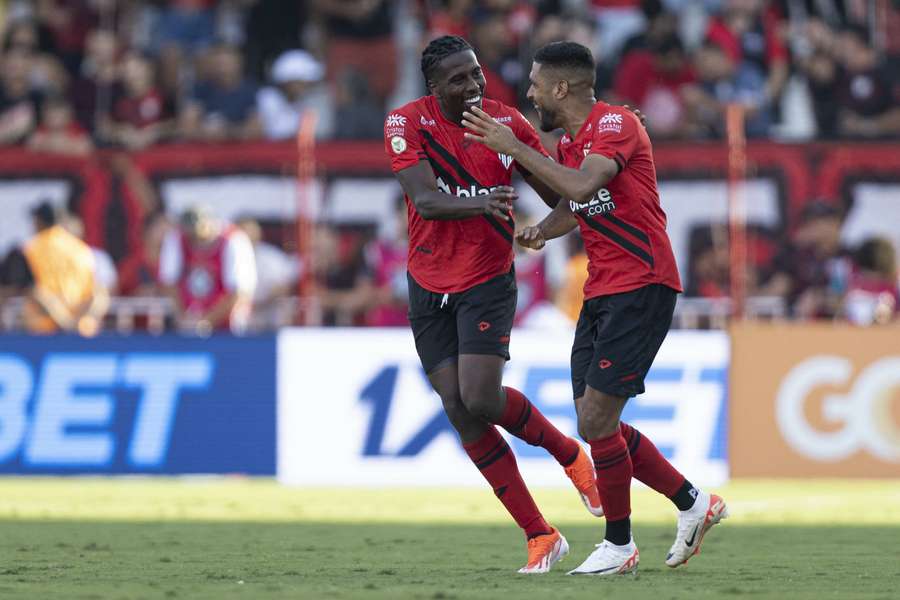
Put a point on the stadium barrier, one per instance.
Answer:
(137, 405)
(813, 400)
(361, 397)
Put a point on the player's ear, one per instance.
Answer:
(562, 89)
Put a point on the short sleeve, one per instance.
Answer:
(401, 141)
(615, 136)
(526, 132)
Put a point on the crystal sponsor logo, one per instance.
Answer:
(863, 415)
(396, 121)
(461, 192)
(610, 122)
(602, 202)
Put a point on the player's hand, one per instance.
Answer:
(531, 237)
(499, 202)
(637, 112)
(485, 130)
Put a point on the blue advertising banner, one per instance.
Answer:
(137, 405)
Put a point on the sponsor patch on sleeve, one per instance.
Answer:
(398, 144)
(610, 122)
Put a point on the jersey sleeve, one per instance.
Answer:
(615, 136)
(401, 140)
(526, 132)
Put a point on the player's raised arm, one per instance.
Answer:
(575, 184)
(420, 185)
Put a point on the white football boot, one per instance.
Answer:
(610, 559)
(708, 509)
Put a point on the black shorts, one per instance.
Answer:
(617, 338)
(475, 321)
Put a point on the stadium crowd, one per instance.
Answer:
(81, 75)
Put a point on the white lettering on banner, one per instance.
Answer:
(379, 397)
(62, 403)
(864, 412)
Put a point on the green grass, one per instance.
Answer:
(136, 539)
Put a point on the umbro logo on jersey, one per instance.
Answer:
(425, 122)
(506, 159)
(396, 121)
(503, 119)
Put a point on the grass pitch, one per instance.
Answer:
(136, 539)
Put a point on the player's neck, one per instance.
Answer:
(455, 119)
(574, 116)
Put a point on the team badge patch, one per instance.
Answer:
(398, 144)
(506, 159)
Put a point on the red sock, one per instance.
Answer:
(523, 420)
(614, 470)
(493, 457)
(650, 467)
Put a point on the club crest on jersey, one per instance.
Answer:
(506, 159)
(396, 121)
(398, 144)
(610, 122)
(586, 148)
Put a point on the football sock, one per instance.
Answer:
(652, 469)
(493, 457)
(614, 470)
(522, 419)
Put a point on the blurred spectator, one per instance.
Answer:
(140, 276)
(140, 115)
(297, 88)
(721, 82)
(58, 132)
(570, 296)
(872, 296)
(653, 80)
(867, 92)
(68, 23)
(273, 26)
(185, 24)
(210, 272)
(19, 101)
(91, 92)
(660, 26)
(46, 72)
(749, 31)
(387, 258)
(450, 17)
(65, 294)
(359, 34)
(708, 273)
(104, 268)
(811, 272)
(222, 107)
(342, 279)
(276, 275)
(356, 115)
(493, 42)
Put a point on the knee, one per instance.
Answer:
(479, 403)
(597, 419)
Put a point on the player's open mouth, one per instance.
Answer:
(473, 101)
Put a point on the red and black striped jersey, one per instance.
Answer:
(623, 225)
(455, 255)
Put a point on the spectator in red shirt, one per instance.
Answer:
(749, 33)
(58, 132)
(140, 115)
(653, 80)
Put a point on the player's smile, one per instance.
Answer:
(460, 85)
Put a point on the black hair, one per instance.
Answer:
(567, 55)
(440, 48)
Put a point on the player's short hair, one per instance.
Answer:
(440, 48)
(566, 55)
